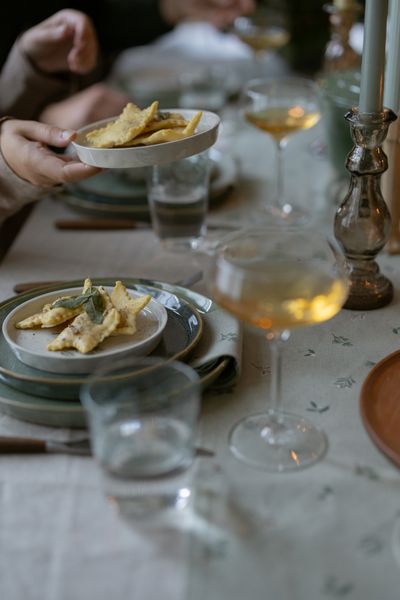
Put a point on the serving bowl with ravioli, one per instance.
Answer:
(203, 138)
(30, 345)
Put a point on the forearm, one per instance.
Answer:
(25, 91)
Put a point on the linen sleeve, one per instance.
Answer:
(16, 192)
(25, 91)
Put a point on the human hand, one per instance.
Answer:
(24, 145)
(66, 41)
(218, 12)
(92, 104)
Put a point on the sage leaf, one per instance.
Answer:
(91, 300)
(72, 302)
(94, 307)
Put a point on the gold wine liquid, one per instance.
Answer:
(287, 295)
(269, 39)
(280, 122)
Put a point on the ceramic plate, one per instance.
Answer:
(379, 405)
(182, 332)
(66, 413)
(30, 345)
(143, 156)
(48, 405)
(122, 193)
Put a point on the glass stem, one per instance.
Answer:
(275, 342)
(279, 191)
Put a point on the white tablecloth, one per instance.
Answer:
(331, 531)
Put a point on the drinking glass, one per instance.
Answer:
(178, 199)
(276, 280)
(280, 108)
(264, 30)
(142, 416)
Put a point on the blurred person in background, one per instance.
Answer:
(80, 98)
(50, 60)
(28, 167)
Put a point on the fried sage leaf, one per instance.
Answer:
(91, 300)
(95, 307)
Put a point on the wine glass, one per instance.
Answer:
(280, 108)
(264, 30)
(277, 279)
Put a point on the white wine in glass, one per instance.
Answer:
(276, 280)
(264, 30)
(280, 108)
(261, 39)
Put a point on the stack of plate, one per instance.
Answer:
(32, 384)
(121, 193)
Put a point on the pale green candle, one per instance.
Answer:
(373, 56)
(392, 74)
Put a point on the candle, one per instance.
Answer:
(373, 56)
(392, 73)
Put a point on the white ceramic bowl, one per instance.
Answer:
(144, 156)
(30, 345)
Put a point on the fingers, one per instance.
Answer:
(77, 171)
(47, 169)
(53, 169)
(83, 54)
(24, 145)
(67, 40)
(40, 132)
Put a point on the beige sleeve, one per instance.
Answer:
(24, 91)
(16, 192)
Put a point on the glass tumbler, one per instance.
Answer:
(178, 199)
(142, 416)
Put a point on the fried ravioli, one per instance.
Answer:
(127, 307)
(83, 334)
(166, 135)
(51, 315)
(131, 122)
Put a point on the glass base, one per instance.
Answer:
(181, 244)
(277, 442)
(287, 214)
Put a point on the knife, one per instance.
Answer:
(99, 224)
(115, 224)
(19, 445)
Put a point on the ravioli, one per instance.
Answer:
(51, 315)
(83, 334)
(131, 122)
(167, 135)
(136, 127)
(171, 120)
(127, 307)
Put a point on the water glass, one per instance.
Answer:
(178, 200)
(204, 87)
(142, 416)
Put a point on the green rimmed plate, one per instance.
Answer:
(67, 413)
(181, 334)
(122, 192)
(53, 412)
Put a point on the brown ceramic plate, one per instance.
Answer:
(380, 405)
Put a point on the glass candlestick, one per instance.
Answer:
(362, 222)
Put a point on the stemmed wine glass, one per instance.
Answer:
(264, 30)
(281, 107)
(277, 279)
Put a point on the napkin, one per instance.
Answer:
(222, 338)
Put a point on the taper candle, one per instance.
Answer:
(391, 94)
(373, 56)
